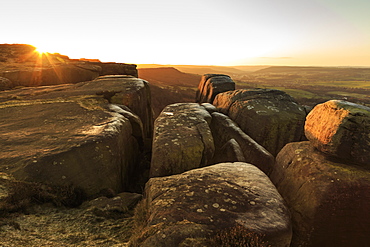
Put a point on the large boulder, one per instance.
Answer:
(270, 117)
(129, 91)
(73, 134)
(232, 144)
(212, 84)
(189, 209)
(329, 200)
(182, 139)
(341, 129)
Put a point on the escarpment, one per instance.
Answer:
(233, 168)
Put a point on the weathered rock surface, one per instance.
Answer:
(232, 144)
(129, 91)
(188, 209)
(72, 134)
(212, 84)
(341, 129)
(270, 117)
(116, 68)
(329, 200)
(182, 139)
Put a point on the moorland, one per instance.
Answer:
(308, 85)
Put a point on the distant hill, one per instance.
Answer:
(168, 76)
(169, 85)
(203, 69)
(310, 69)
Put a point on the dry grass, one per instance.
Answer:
(238, 236)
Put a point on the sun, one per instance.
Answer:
(41, 50)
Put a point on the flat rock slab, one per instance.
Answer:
(341, 129)
(182, 140)
(70, 134)
(271, 117)
(329, 200)
(193, 206)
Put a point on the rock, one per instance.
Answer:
(73, 135)
(329, 200)
(135, 95)
(270, 117)
(116, 68)
(5, 84)
(112, 207)
(341, 129)
(230, 151)
(51, 75)
(232, 144)
(24, 66)
(212, 84)
(190, 208)
(182, 140)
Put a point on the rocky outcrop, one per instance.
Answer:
(73, 134)
(129, 91)
(190, 208)
(24, 66)
(212, 84)
(329, 200)
(270, 117)
(232, 144)
(116, 68)
(182, 140)
(51, 75)
(340, 129)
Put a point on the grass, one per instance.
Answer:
(23, 195)
(238, 236)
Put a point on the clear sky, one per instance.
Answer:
(200, 32)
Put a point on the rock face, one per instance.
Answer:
(211, 85)
(73, 134)
(329, 201)
(116, 68)
(51, 75)
(191, 207)
(270, 117)
(340, 129)
(182, 140)
(232, 144)
(23, 66)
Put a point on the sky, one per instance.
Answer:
(195, 32)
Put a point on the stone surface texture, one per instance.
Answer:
(192, 206)
(182, 139)
(271, 117)
(232, 144)
(72, 134)
(212, 84)
(329, 200)
(341, 129)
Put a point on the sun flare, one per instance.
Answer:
(40, 50)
